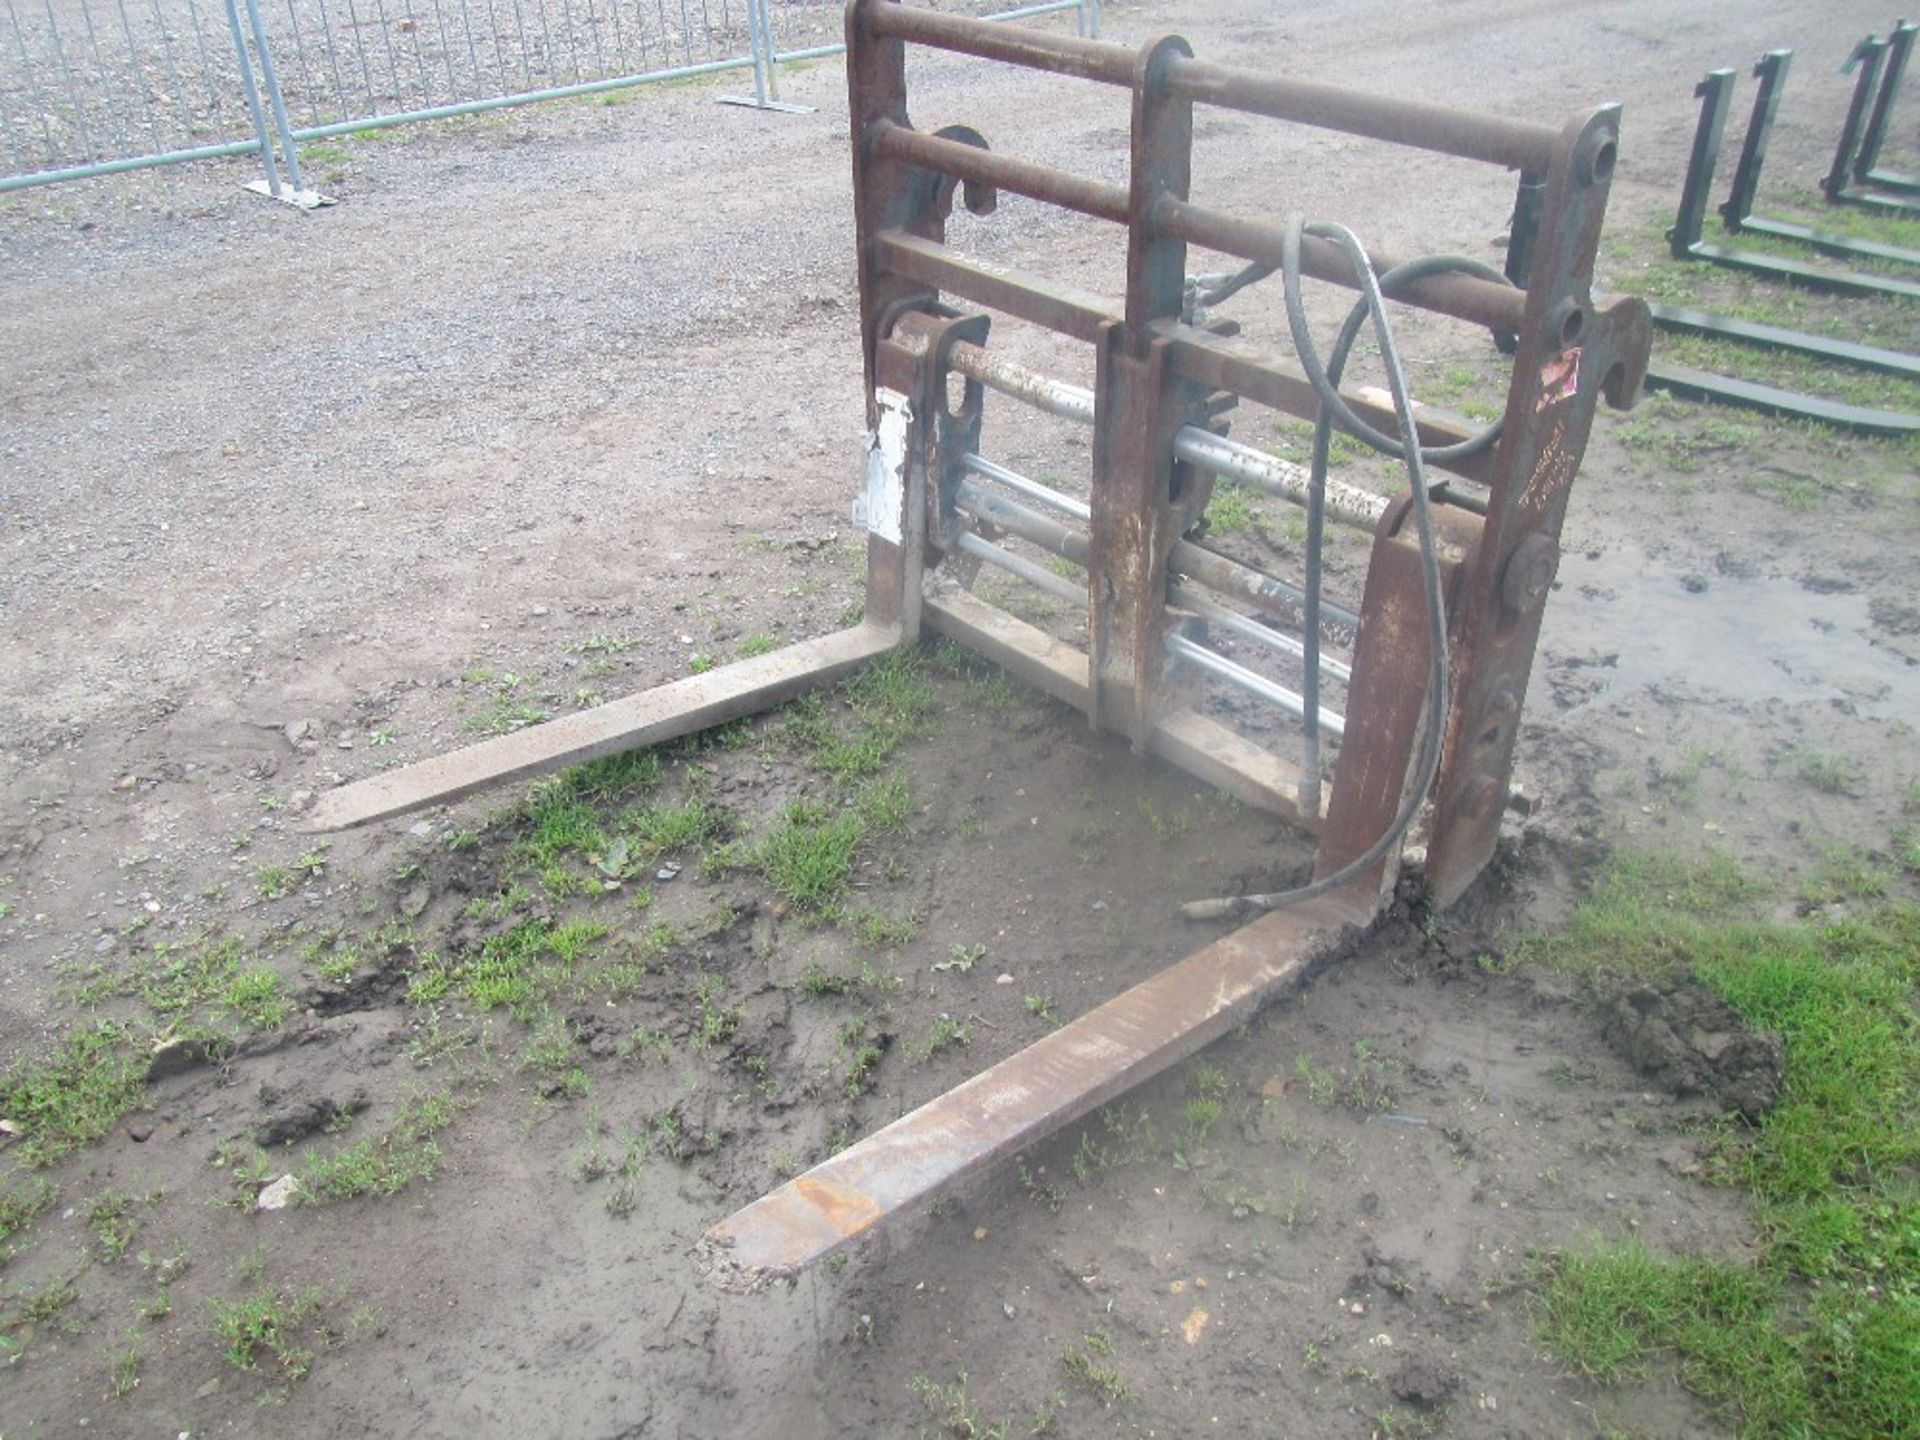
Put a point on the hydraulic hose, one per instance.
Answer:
(1325, 379)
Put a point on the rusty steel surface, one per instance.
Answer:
(1162, 398)
(1158, 379)
(1029, 1095)
(1516, 144)
(1198, 744)
(648, 718)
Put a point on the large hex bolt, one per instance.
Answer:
(1528, 575)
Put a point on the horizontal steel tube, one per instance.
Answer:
(1516, 144)
(1280, 384)
(1076, 313)
(1216, 571)
(1214, 453)
(1221, 456)
(1497, 307)
(1479, 302)
(527, 97)
(891, 141)
(120, 167)
(1049, 535)
(1055, 585)
(1422, 125)
(1100, 60)
(1222, 668)
(1032, 489)
(1192, 598)
(1243, 582)
(1043, 392)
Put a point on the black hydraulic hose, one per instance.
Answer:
(1325, 380)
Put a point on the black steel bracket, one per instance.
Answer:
(1771, 71)
(1684, 239)
(1691, 384)
(1871, 101)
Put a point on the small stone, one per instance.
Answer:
(540, 612)
(279, 1194)
(212, 1387)
(152, 907)
(105, 945)
(414, 903)
(300, 800)
(420, 829)
(1357, 1308)
(298, 731)
(666, 872)
(140, 1131)
(1199, 1282)
(127, 783)
(1008, 1311)
(1003, 979)
(979, 1232)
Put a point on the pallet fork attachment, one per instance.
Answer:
(1162, 608)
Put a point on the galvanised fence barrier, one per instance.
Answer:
(95, 87)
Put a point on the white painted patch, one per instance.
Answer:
(881, 507)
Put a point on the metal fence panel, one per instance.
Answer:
(91, 87)
(95, 86)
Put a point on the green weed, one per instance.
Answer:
(257, 998)
(387, 1163)
(76, 1094)
(1090, 1363)
(952, 1412)
(268, 1325)
(945, 1033)
(808, 856)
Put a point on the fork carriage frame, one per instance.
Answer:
(1161, 389)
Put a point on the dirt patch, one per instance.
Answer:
(1689, 1041)
(607, 437)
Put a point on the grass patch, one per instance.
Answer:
(269, 1326)
(1231, 510)
(516, 970)
(76, 1094)
(1644, 914)
(256, 997)
(21, 1203)
(889, 702)
(952, 1412)
(808, 855)
(384, 1164)
(663, 829)
(1820, 1334)
(1091, 1364)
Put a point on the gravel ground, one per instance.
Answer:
(277, 485)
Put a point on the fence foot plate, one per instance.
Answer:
(299, 199)
(785, 107)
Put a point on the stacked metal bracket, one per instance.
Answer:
(1158, 600)
(1860, 146)
(1856, 177)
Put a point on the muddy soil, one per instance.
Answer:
(565, 403)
